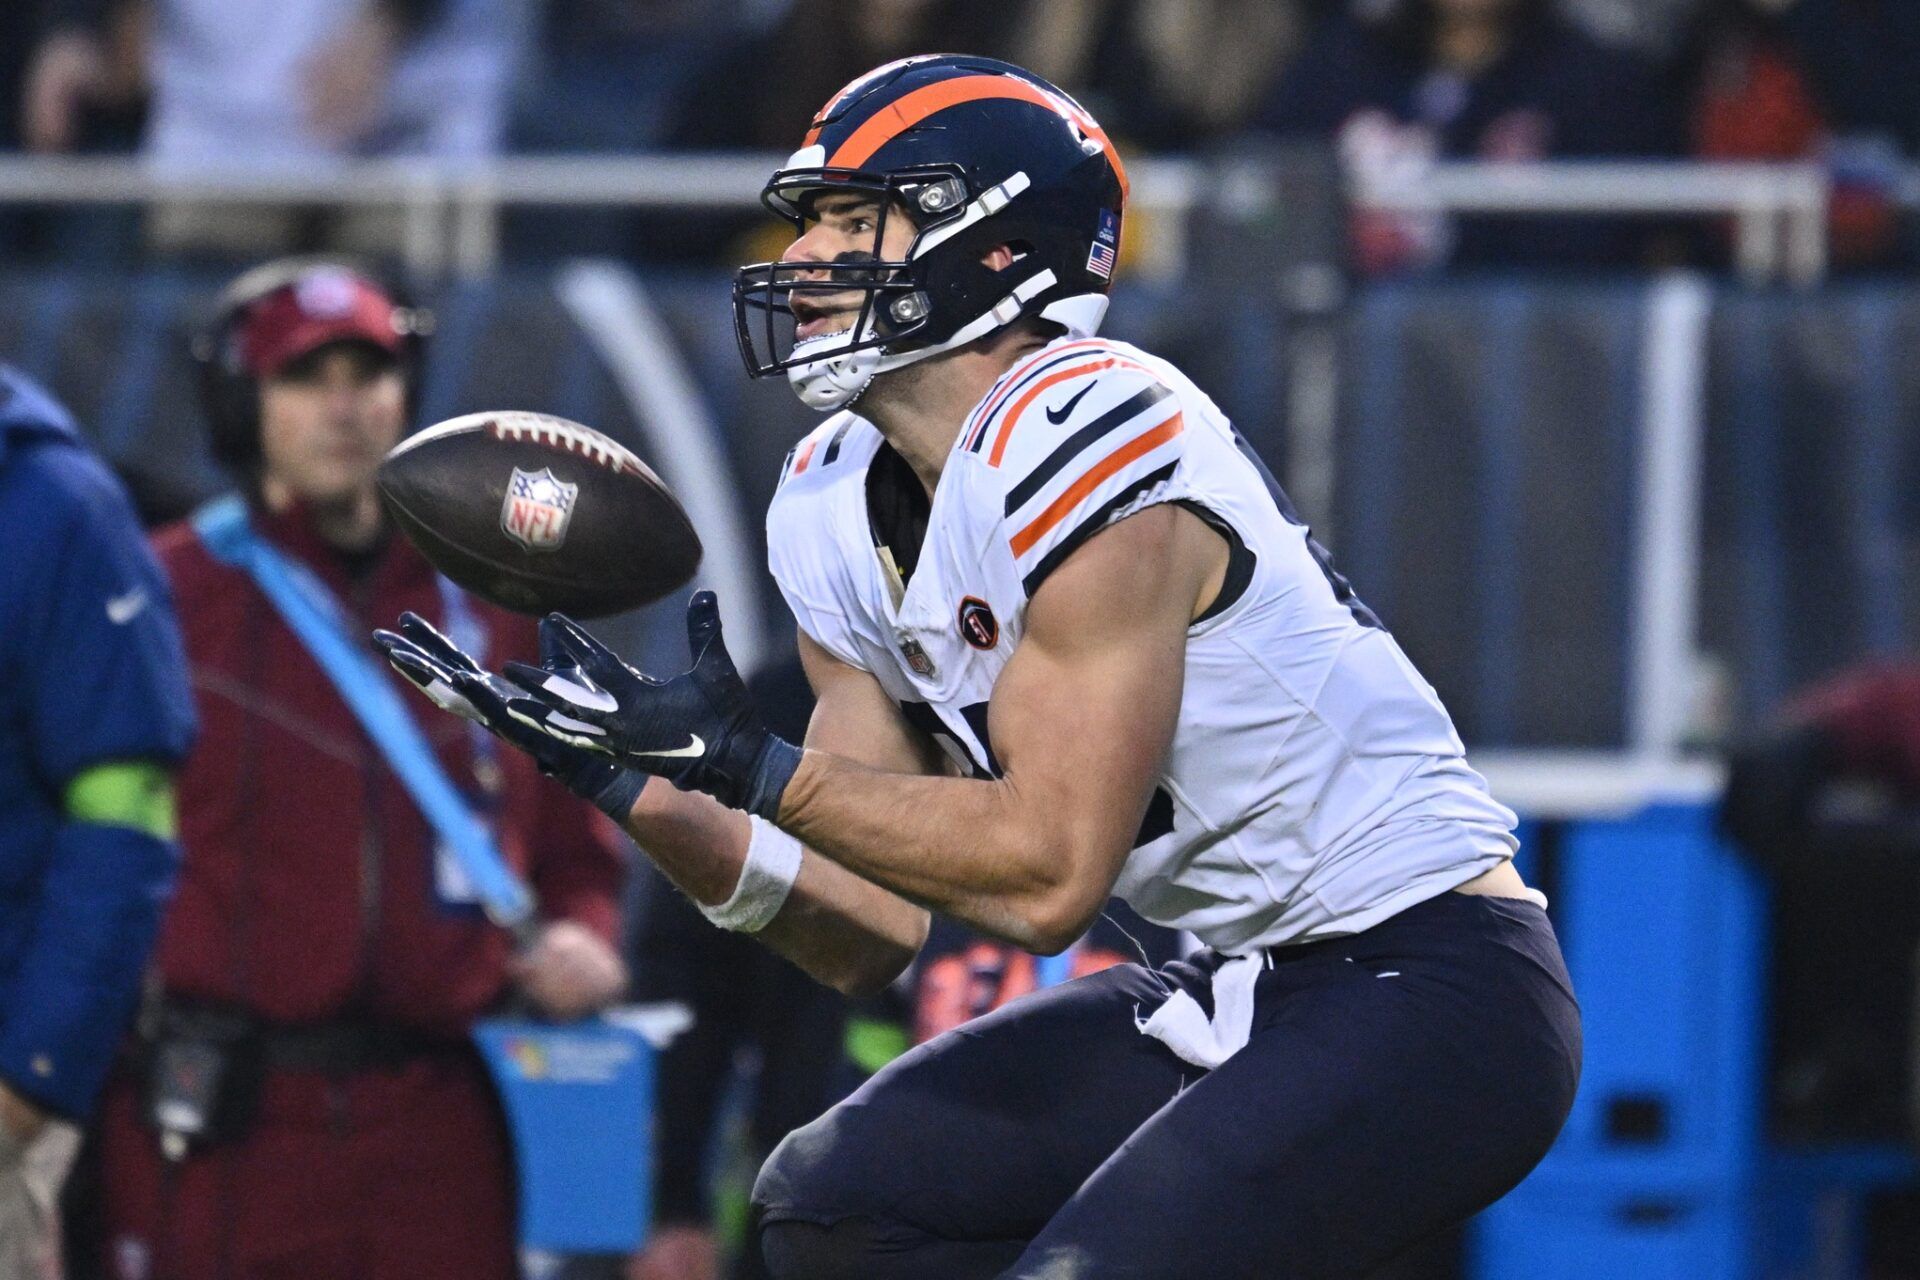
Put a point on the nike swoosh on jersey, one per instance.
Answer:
(1065, 411)
(696, 746)
(123, 609)
(1081, 444)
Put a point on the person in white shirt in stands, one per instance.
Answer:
(288, 85)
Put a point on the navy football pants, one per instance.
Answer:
(1396, 1082)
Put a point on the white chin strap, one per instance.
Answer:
(830, 381)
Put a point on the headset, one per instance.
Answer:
(229, 392)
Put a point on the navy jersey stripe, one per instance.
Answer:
(1342, 589)
(833, 445)
(924, 718)
(1092, 525)
(1080, 441)
(1012, 393)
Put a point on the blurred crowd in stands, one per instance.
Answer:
(1385, 83)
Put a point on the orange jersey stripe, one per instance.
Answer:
(806, 455)
(1063, 505)
(1019, 371)
(1032, 393)
(1012, 419)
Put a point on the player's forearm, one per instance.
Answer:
(842, 930)
(972, 849)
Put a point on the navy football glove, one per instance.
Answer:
(454, 682)
(699, 730)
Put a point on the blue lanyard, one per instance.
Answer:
(1051, 971)
(468, 633)
(316, 618)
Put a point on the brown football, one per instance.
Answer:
(538, 514)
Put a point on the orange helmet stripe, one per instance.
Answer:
(867, 77)
(897, 117)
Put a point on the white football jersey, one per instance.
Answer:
(1315, 785)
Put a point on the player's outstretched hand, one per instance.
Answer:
(698, 730)
(454, 681)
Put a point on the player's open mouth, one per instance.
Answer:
(814, 318)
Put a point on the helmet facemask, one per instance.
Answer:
(897, 322)
(774, 300)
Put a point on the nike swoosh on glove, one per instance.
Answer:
(454, 682)
(699, 730)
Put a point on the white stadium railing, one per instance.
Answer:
(1779, 211)
(452, 211)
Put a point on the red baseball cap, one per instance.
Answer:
(323, 305)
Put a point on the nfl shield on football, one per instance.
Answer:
(537, 514)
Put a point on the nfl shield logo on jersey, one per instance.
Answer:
(537, 509)
(916, 657)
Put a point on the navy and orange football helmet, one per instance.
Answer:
(978, 154)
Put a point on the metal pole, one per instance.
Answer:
(1807, 217)
(422, 242)
(1313, 296)
(1756, 243)
(476, 229)
(1667, 540)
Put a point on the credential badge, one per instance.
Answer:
(537, 509)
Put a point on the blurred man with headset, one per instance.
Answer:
(305, 1101)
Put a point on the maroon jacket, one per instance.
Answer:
(308, 889)
(1871, 716)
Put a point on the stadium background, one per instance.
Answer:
(1618, 438)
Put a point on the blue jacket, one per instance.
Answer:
(95, 672)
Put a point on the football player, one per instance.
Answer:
(1070, 641)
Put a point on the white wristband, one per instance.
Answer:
(773, 864)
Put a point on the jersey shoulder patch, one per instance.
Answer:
(1084, 435)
